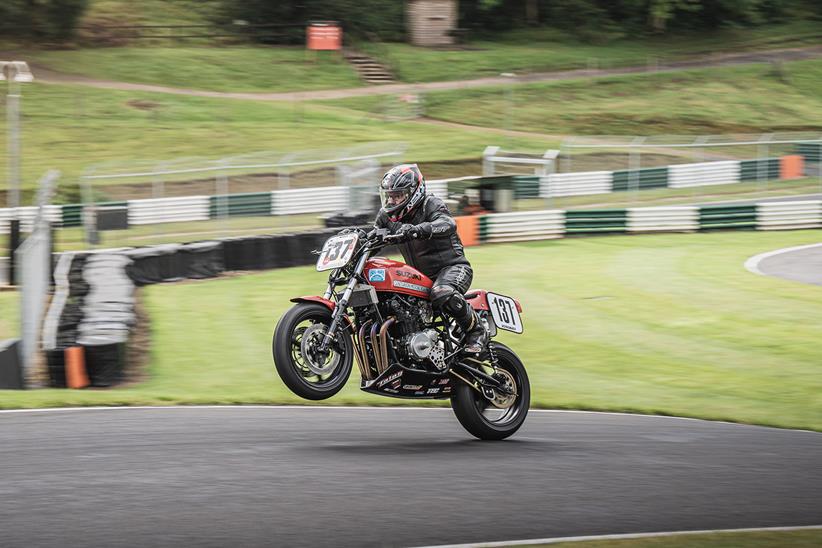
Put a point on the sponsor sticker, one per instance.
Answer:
(446, 390)
(443, 381)
(389, 378)
(406, 285)
(390, 390)
(433, 391)
(412, 387)
(419, 392)
(396, 384)
(376, 275)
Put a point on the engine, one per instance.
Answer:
(415, 341)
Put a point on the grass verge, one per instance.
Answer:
(9, 318)
(667, 324)
(760, 539)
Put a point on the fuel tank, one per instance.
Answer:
(388, 275)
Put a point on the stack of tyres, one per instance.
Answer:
(70, 319)
(108, 316)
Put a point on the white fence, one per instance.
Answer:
(51, 213)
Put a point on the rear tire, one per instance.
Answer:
(291, 362)
(477, 415)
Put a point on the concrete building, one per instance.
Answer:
(430, 22)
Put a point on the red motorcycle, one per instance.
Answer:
(404, 349)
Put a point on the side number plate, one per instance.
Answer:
(504, 311)
(337, 251)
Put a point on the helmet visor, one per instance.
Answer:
(393, 200)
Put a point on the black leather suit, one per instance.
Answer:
(440, 257)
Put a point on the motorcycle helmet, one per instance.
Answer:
(402, 189)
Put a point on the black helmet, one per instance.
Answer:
(402, 189)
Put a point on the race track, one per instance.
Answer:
(256, 476)
(800, 264)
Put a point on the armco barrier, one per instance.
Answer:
(722, 216)
(512, 227)
(757, 170)
(707, 173)
(663, 219)
(168, 210)
(596, 221)
(309, 200)
(641, 179)
(576, 184)
(239, 205)
(789, 215)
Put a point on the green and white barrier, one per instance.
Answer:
(556, 223)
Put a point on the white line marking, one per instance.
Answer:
(381, 408)
(555, 540)
(752, 264)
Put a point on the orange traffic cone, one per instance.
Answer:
(76, 375)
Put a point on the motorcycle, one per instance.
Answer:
(383, 318)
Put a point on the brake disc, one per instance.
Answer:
(504, 401)
(319, 364)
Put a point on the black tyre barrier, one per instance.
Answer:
(11, 370)
(202, 259)
(56, 363)
(105, 364)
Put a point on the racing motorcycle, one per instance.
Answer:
(377, 311)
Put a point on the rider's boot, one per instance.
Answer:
(476, 336)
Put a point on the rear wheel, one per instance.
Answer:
(499, 419)
(307, 372)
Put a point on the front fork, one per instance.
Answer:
(339, 310)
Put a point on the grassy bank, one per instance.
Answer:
(264, 68)
(544, 49)
(669, 324)
(751, 99)
(73, 127)
(230, 68)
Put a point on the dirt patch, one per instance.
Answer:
(142, 104)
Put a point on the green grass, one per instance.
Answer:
(73, 127)
(729, 100)
(9, 319)
(543, 49)
(669, 324)
(235, 68)
(763, 539)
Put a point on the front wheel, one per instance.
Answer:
(303, 369)
(480, 416)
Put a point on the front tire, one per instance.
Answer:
(483, 420)
(290, 357)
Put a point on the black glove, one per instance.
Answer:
(406, 232)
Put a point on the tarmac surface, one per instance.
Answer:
(257, 476)
(799, 264)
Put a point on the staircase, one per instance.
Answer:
(370, 71)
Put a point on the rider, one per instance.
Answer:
(429, 242)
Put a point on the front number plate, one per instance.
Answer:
(337, 251)
(504, 311)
